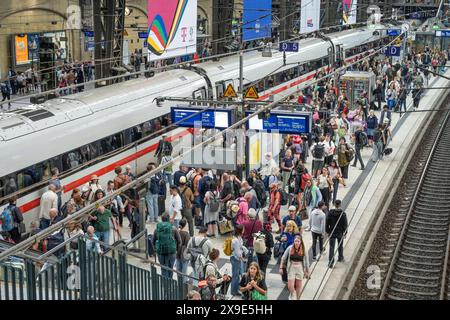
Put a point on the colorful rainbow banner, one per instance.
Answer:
(164, 20)
(349, 11)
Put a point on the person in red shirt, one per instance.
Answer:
(274, 206)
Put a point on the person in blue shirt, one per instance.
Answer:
(288, 236)
(294, 217)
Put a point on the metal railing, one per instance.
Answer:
(86, 275)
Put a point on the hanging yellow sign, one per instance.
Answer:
(230, 92)
(251, 93)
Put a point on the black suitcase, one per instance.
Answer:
(387, 151)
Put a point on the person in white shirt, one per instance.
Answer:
(49, 200)
(175, 206)
(317, 224)
(330, 149)
(268, 166)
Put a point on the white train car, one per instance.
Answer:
(95, 131)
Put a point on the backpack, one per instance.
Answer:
(318, 151)
(7, 219)
(363, 140)
(260, 190)
(184, 202)
(227, 246)
(196, 253)
(214, 203)
(204, 184)
(284, 197)
(165, 243)
(350, 154)
(259, 243)
(153, 186)
(305, 177)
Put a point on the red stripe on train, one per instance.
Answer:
(79, 182)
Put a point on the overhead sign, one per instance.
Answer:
(349, 11)
(251, 93)
(309, 16)
(230, 92)
(172, 28)
(190, 117)
(210, 157)
(89, 34)
(391, 51)
(394, 32)
(143, 35)
(289, 46)
(442, 33)
(283, 122)
(257, 20)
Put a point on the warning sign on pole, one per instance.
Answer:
(251, 93)
(230, 92)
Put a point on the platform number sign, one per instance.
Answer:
(289, 46)
(391, 51)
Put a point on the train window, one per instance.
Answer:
(46, 170)
(219, 90)
(72, 159)
(146, 128)
(94, 149)
(10, 185)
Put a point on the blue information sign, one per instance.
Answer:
(143, 35)
(391, 51)
(89, 34)
(442, 33)
(218, 118)
(289, 46)
(394, 32)
(283, 122)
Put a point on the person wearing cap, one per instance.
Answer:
(251, 226)
(274, 206)
(89, 189)
(187, 197)
(292, 215)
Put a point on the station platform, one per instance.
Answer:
(363, 198)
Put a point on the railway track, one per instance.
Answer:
(417, 248)
(411, 248)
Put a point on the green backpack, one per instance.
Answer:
(165, 241)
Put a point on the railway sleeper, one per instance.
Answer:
(400, 274)
(440, 257)
(427, 263)
(420, 229)
(422, 249)
(419, 293)
(430, 222)
(415, 284)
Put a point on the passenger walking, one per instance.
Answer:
(212, 201)
(251, 226)
(49, 200)
(187, 198)
(359, 144)
(317, 223)
(252, 284)
(378, 143)
(343, 158)
(12, 220)
(212, 268)
(101, 219)
(59, 188)
(324, 182)
(318, 153)
(287, 165)
(238, 254)
(181, 261)
(274, 206)
(295, 260)
(264, 258)
(175, 206)
(152, 195)
(336, 176)
(372, 123)
(167, 241)
(336, 228)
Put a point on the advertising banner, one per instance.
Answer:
(257, 19)
(309, 16)
(172, 28)
(21, 49)
(349, 11)
(33, 46)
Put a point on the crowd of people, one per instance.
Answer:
(221, 204)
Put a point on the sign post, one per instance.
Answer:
(289, 47)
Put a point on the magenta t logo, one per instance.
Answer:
(184, 33)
